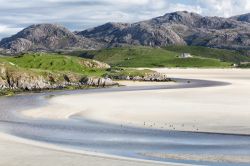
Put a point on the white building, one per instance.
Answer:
(185, 55)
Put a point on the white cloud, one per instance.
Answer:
(82, 14)
(224, 8)
(6, 29)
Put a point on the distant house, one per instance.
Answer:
(235, 65)
(185, 55)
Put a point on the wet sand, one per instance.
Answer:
(14, 153)
(203, 157)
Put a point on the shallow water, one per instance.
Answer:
(117, 140)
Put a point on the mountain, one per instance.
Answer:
(46, 37)
(178, 28)
(133, 34)
(244, 17)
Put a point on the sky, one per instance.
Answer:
(82, 14)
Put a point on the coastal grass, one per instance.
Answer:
(138, 56)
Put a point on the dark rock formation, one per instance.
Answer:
(154, 77)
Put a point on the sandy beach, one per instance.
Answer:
(215, 109)
(212, 109)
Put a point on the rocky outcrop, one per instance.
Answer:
(153, 76)
(94, 64)
(46, 37)
(92, 81)
(17, 79)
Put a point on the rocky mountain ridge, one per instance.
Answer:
(178, 28)
(46, 37)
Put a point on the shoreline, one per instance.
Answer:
(87, 112)
(81, 152)
(133, 108)
(79, 156)
(193, 120)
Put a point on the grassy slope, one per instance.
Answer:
(148, 57)
(54, 63)
(47, 65)
(57, 67)
(222, 54)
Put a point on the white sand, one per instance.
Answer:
(213, 109)
(143, 83)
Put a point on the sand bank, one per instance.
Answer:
(223, 109)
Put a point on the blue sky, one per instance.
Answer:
(83, 14)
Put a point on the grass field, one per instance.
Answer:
(150, 57)
(231, 56)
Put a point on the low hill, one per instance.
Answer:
(50, 71)
(39, 71)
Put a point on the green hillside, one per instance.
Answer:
(56, 63)
(221, 54)
(40, 71)
(148, 57)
